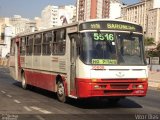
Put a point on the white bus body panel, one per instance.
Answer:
(45, 63)
(111, 72)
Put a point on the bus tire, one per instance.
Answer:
(24, 84)
(61, 91)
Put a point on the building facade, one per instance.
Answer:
(8, 34)
(92, 9)
(153, 28)
(57, 15)
(66, 14)
(145, 13)
(9, 27)
(22, 25)
(135, 13)
(115, 9)
(3, 23)
(49, 16)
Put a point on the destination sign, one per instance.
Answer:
(104, 61)
(110, 25)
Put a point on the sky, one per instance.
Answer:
(33, 8)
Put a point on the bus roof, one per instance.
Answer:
(73, 24)
(45, 30)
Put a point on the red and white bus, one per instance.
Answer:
(95, 58)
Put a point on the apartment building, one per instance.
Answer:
(135, 13)
(49, 16)
(92, 9)
(145, 13)
(66, 14)
(21, 25)
(10, 27)
(153, 28)
(115, 9)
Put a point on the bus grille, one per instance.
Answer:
(119, 86)
(118, 92)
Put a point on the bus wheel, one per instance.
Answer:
(24, 84)
(61, 92)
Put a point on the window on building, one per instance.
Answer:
(59, 42)
(46, 46)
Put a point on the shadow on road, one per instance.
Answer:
(37, 90)
(103, 104)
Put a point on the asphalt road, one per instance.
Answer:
(38, 104)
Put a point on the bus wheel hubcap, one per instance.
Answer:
(23, 82)
(60, 89)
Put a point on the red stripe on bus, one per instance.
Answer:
(42, 80)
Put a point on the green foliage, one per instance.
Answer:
(2, 36)
(158, 50)
(149, 41)
(154, 52)
(158, 47)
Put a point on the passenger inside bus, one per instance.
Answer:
(100, 52)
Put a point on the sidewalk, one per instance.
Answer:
(154, 79)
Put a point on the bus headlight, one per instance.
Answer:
(137, 86)
(96, 86)
(140, 86)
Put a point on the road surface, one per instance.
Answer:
(37, 104)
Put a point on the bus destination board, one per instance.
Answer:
(110, 25)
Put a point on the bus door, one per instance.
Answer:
(17, 58)
(73, 57)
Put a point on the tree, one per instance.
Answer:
(149, 41)
(158, 47)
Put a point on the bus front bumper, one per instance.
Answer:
(119, 88)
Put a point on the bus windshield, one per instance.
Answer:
(108, 48)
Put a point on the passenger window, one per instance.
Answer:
(29, 45)
(59, 42)
(47, 39)
(37, 44)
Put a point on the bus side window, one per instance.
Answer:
(29, 45)
(59, 42)
(54, 44)
(46, 47)
(22, 46)
(37, 44)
